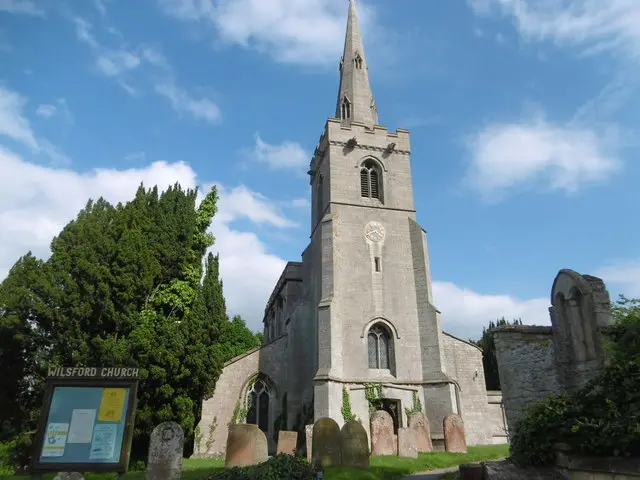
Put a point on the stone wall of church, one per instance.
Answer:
(526, 366)
(269, 360)
(483, 420)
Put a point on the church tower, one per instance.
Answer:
(371, 283)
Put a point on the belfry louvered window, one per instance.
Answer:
(370, 181)
(379, 342)
(345, 108)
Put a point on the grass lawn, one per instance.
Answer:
(382, 468)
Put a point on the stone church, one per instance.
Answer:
(359, 308)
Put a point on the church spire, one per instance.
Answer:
(355, 99)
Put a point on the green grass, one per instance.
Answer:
(388, 467)
(382, 468)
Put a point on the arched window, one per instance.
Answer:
(258, 405)
(370, 180)
(345, 108)
(379, 343)
(358, 61)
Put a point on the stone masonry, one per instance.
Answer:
(359, 307)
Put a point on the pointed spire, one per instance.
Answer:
(355, 99)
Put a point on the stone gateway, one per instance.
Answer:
(359, 307)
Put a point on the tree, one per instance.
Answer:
(489, 361)
(237, 339)
(122, 287)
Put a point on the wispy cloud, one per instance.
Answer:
(24, 7)
(307, 32)
(287, 155)
(182, 102)
(592, 26)
(15, 126)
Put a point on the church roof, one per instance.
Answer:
(355, 98)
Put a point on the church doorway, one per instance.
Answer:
(392, 407)
(258, 397)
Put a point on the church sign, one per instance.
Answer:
(86, 424)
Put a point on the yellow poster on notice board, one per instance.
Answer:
(112, 404)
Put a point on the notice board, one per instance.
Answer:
(86, 425)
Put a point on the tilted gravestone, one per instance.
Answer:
(407, 444)
(382, 436)
(308, 430)
(354, 444)
(287, 442)
(165, 452)
(419, 422)
(246, 445)
(454, 436)
(325, 450)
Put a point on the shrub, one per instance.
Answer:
(276, 468)
(603, 417)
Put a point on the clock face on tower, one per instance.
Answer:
(374, 231)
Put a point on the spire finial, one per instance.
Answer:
(355, 99)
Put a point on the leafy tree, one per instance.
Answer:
(122, 287)
(237, 339)
(489, 361)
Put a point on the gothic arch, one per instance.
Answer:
(372, 179)
(361, 161)
(381, 348)
(258, 397)
(392, 328)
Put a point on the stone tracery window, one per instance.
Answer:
(370, 180)
(379, 345)
(345, 108)
(257, 400)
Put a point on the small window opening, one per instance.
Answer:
(346, 109)
(376, 261)
(370, 181)
(358, 61)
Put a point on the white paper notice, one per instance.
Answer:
(55, 439)
(103, 443)
(81, 426)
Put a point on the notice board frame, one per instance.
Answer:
(37, 466)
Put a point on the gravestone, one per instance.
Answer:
(407, 443)
(419, 422)
(382, 436)
(165, 452)
(68, 476)
(325, 449)
(287, 442)
(354, 444)
(308, 430)
(246, 445)
(454, 437)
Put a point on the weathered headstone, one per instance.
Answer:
(354, 444)
(287, 442)
(165, 452)
(246, 445)
(407, 443)
(454, 437)
(308, 430)
(325, 450)
(419, 422)
(68, 476)
(382, 436)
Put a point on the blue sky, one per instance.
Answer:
(523, 117)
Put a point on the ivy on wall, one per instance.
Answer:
(347, 414)
(373, 394)
(415, 407)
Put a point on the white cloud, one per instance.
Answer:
(26, 7)
(183, 102)
(465, 312)
(113, 63)
(308, 32)
(46, 110)
(287, 155)
(36, 202)
(591, 25)
(623, 274)
(535, 153)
